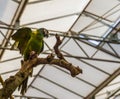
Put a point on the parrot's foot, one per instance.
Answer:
(33, 54)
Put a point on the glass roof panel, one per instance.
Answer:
(7, 10)
(94, 24)
(9, 65)
(10, 54)
(98, 30)
(93, 28)
(114, 48)
(51, 9)
(49, 87)
(108, 67)
(37, 94)
(102, 8)
(98, 20)
(67, 48)
(60, 24)
(89, 50)
(66, 81)
(106, 56)
(2, 35)
(115, 84)
(79, 24)
(90, 73)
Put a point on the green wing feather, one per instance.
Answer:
(22, 37)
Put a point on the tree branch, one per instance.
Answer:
(13, 82)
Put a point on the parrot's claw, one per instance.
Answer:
(33, 54)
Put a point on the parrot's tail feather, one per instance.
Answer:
(23, 86)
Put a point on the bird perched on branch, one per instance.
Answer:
(27, 41)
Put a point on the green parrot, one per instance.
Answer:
(27, 41)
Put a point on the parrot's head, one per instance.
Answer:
(43, 32)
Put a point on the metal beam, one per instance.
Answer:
(37, 75)
(113, 93)
(16, 1)
(99, 48)
(71, 56)
(95, 22)
(78, 94)
(100, 17)
(89, 64)
(75, 77)
(51, 19)
(30, 97)
(3, 23)
(38, 1)
(98, 20)
(53, 97)
(87, 38)
(16, 17)
(79, 16)
(104, 84)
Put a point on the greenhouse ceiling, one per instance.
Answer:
(90, 34)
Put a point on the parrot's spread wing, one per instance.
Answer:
(22, 36)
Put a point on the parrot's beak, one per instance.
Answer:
(46, 33)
